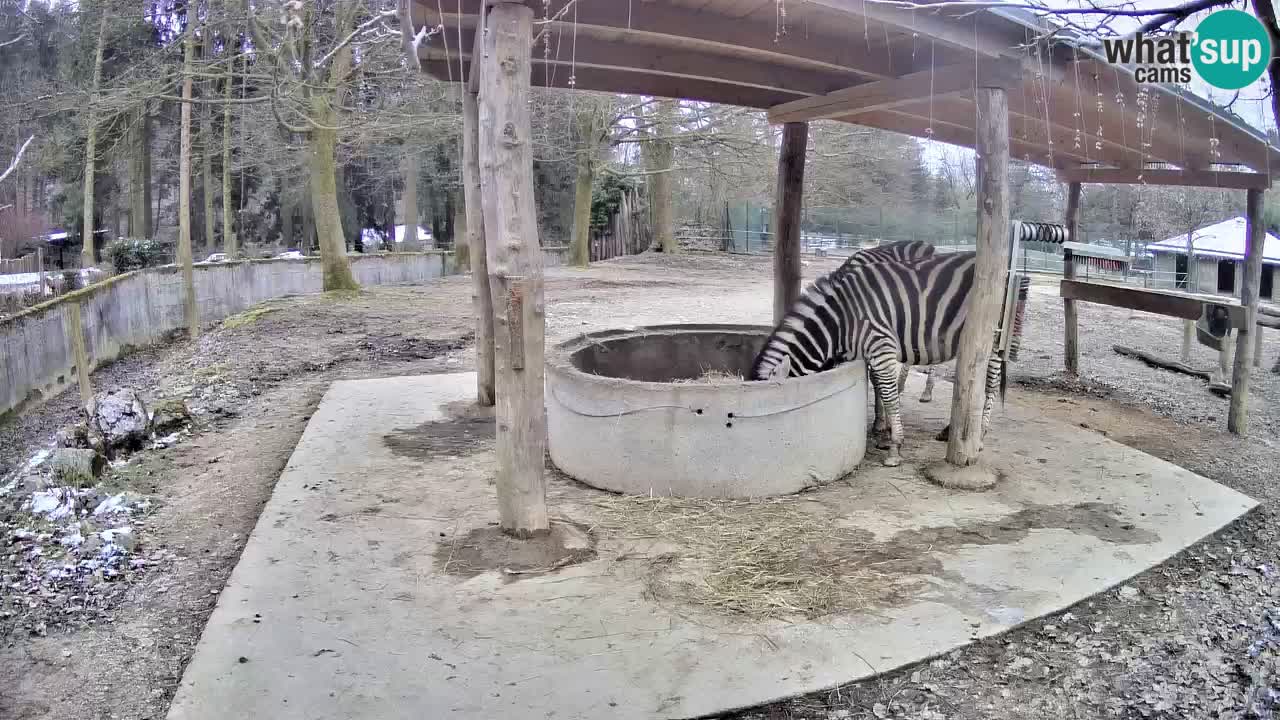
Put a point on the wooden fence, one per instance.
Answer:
(25, 264)
(629, 232)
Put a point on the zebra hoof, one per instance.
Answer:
(892, 461)
(926, 398)
(944, 434)
(883, 443)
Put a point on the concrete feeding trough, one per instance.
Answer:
(664, 409)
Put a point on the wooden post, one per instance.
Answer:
(40, 269)
(1071, 326)
(1238, 416)
(73, 325)
(514, 266)
(786, 222)
(1188, 333)
(1257, 346)
(481, 300)
(992, 246)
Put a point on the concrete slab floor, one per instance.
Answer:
(344, 604)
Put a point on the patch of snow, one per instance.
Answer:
(113, 504)
(110, 536)
(54, 504)
(72, 540)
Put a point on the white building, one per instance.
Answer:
(1218, 267)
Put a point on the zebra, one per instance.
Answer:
(886, 313)
(902, 251)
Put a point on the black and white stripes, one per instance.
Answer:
(888, 313)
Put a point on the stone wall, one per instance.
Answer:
(140, 308)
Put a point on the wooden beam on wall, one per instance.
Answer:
(1238, 414)
(1185, 178)
(1071, 321)
(991, 267)
(790, 200)
(515, 269)
(883, 94)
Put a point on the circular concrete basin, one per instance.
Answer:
(631, 411)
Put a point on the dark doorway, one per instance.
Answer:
(1227, 277)
(1265, 289)
(1180, 270)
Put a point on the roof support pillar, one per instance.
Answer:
(481, 300)
(988, 291)
(786, 218)
(1256, 230)
(515, 268)
(1070, 338)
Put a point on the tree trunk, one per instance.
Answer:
(140, 177)
(461, 244)
(515, 269)
(481, 299)
(184, 192)
(88, 256)
(228, 217)
(1238, 413)
(1071, 321)
(661, 157)
(409, 202)
(580, 240)
(324, 199)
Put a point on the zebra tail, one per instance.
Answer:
(1004, 379)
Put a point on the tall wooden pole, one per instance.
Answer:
(73, 322)
(514, 266)
(1238, 415)
(1071, 328)
(987, 295)
(481, 300)
(786, 223)
(189, 311)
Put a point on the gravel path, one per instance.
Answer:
(1196, 638)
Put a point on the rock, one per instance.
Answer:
(1128, 592)
(77, 467)
(170, 415)
(122, 536)
(75, 435)
(122, 419)
(35, 483)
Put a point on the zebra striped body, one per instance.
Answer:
(903, 251)
(886, 313)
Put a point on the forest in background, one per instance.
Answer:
(304, 122)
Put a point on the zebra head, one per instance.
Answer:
(810, 339)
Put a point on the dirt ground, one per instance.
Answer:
(1198, 637)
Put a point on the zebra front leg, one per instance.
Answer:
(886, 374)
(995, 370)
(927, 395)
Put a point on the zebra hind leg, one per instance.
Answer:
(887, 375)
(927, 395)
(995, 368)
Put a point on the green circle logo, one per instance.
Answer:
(1232, 49)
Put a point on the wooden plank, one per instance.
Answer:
(481, 299)
(992, 245)
(515, 269)
(1184, 178)
(790, 200)
(641, 83)
(883, 94)
(1071, 321)
(586, 51)
(1256, 230)
(956, 133)
(668, 24)
(1160, 302)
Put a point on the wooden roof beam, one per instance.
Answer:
(633, 83)
(1224, 180)
(634, 57)
(692, 29)
(964, 33)
(884, 94)
(955, 133)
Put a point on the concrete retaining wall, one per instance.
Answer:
(140, 308)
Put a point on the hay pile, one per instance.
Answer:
(711, 377)
(755, 558)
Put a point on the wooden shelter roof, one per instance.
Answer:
(872, 64)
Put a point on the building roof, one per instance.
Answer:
(909, 70)
(1095, 251)
(1223, 240)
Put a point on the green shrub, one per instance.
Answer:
(131, 254)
